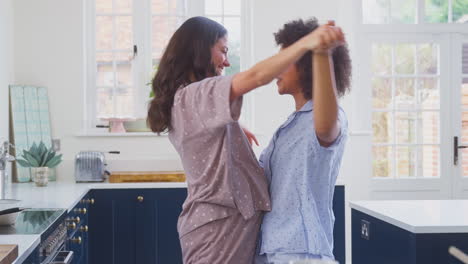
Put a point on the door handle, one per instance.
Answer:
(455, 150)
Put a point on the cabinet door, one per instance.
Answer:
(100, 246)
(111, 227)
(169, 207)
(123, 224)
(135, 226)
(146, 234)
(157, 212)
(339, 247)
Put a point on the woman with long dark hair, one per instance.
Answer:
(227, 191)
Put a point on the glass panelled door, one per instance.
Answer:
(460, 124)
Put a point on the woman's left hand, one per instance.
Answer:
(250, 136)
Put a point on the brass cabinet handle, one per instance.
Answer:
(71, 226)
(84, 228)
(74, 220)
(80, 210)
(88, 201)
(140, 198)
(77, 240)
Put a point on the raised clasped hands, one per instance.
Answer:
(325, 38)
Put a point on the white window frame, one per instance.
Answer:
(365, 34)
(142, 62)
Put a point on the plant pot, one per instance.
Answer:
(40, 176)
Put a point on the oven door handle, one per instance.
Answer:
(63, 257)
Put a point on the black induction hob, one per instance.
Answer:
(35, 221)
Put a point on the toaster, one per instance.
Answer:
(90, 166)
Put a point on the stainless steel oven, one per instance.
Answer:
(52, 249)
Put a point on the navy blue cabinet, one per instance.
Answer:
(139, 226)
(339, 242)
(376, 241)
(135, 226)
(77, 231)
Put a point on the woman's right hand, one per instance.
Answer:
(324, 38)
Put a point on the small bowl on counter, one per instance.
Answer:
(9, 210)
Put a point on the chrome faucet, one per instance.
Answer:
(4, 158)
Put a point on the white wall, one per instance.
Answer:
(6, 62)
(6, 65)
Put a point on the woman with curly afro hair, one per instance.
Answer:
(304, 156)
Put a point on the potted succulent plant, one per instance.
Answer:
(40, 158)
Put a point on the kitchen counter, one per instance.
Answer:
(61, 194)
(26, 244)
(65, 195)
(408, 231)
(419, 216)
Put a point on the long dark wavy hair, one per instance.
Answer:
(293, 31)
(187, 59)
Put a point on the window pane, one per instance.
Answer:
(124, 31)
(405, 93)
(464, 160)
(430, 161)
(464, 141)
(406, 161)
(428, 93)
(465, 58)
(124, 68)
(232, 7)
(382, 126)
(382, 161)
(104, 105)
(104, 30)
(460, 11)
(118, 103)
(403, 11)
(428, 58)
(159, 6)
(177, 7)
(381, 59)
(233, 26)
(464, 93)
(464, 138)
(381, 93)
(105, 70)
(162, 30)
(218, 19)
(123, 6)
(405, 127)
(375, 11)
(104, 6)
(404, 59)
(214, 7)
(124, 103)
(436, 11)
(429, 127)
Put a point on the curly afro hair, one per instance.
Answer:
(293, 31)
